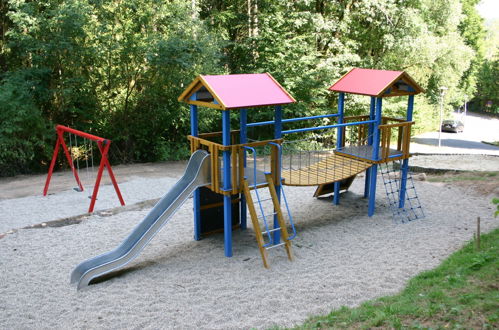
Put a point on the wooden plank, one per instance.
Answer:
(205, 104)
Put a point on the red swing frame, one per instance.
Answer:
(103, 145)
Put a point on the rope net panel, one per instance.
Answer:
(412, 209)
(312, 163)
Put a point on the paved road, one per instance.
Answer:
(478, 128)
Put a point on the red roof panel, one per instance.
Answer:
(247, 90)
(369, 81)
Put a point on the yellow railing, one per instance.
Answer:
(403, 136)
(236, 158)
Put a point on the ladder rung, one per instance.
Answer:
(258, 185)
(271, 231)
(273, 246)
(268, 215)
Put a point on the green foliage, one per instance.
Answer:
(23, 128)
(496, 201)
(115, 68)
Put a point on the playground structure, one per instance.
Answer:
(226, 176)
(103, 146)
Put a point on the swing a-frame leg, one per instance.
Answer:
(103, 145)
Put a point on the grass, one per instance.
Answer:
(494, 143)
(464, 176)
(462, 293)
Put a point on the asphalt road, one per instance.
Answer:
(477, 128)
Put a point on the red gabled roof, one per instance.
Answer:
(237, 91)
(379, 83)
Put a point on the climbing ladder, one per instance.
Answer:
(268, 237)
(411, 210)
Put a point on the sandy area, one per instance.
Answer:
(342, 258)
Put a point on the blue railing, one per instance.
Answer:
(271, 122)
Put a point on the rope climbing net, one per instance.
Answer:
(404, 208)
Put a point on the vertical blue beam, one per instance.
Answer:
(341, 107)
(372, 108)
(243, 138)
(227, 184)
(196, 196)
(277, 135)
(405, 162)
(375, 156)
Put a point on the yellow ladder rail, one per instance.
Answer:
(256, 224)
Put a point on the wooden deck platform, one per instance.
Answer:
(331, 169)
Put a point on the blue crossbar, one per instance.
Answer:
(270, 122)
(328, 126)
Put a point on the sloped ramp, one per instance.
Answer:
(330, 169)
(197, 174)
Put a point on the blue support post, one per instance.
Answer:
(375, 156)
(277, 135)
(405, 162)
(243, 138)
(339, 139)
(227, 184)
(370, 142)
(196, 195)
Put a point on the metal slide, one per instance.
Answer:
(197, 174)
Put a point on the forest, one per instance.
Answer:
(115, 68)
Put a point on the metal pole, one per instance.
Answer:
(197, 192)
(465, 108)
(442, 93)
(227, 184)
(243, 138)
(277, 183)
(339, 146)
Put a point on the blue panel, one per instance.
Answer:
(403, 182)
(372, 109)
(410, 107)
(243, 137)
(340, 129)
(372, 189)
(196, 195)
(374, 169)
(376, 135)
(277, 135)
(405, 163)
(227, 184)
(366, 184)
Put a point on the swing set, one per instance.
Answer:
(74, 153)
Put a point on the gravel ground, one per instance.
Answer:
(342, 256)
(31, 210)
(455, 162)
